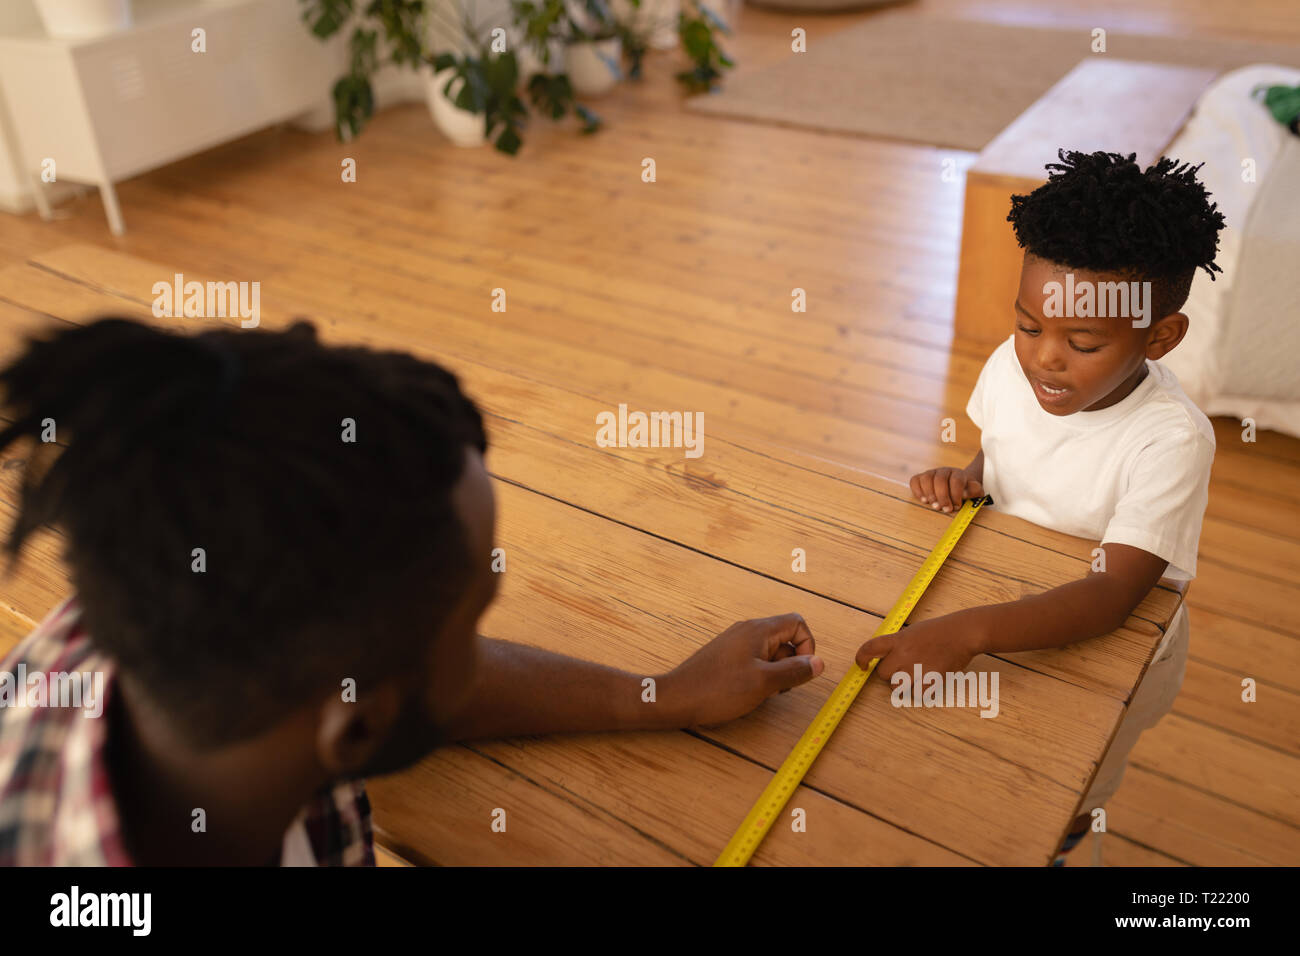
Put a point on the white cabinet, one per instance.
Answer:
(112, 106)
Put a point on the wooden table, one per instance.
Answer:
(635, 558)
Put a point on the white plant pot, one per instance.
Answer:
(594, 67)
(84, 18)
(460, 126)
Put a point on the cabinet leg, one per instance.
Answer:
(111, 208)
(42, 201)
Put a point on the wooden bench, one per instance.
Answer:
(1118, 106)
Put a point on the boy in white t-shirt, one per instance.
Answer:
(1082, 431)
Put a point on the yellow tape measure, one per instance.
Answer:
(791, 773)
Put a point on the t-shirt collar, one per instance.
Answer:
(1102, 416)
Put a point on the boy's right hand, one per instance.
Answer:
(944, 489)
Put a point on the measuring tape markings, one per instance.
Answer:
(792, 771)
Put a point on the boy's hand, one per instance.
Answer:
(742, 667)
(944, 489)
(945, 644)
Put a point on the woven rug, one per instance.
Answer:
(951, 83)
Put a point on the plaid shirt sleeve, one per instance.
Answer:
(339, 828)
(56, 799)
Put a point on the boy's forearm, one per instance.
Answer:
(1095, 605)
(1077, 611)
(976, 468)
(526, 690)
(1064, 615)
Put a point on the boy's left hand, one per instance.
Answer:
(944, 644)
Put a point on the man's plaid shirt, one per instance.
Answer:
(56, 800)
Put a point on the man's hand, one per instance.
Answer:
(944, 489)
(742, 667)
(944, 644)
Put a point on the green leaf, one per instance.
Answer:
(363, 49)
(509, 142)
(1282, 101)
(354, 104)
(325, 17)
(542, 22)
(696, 39)
(469, 96)
(551, 93)
(501, 72)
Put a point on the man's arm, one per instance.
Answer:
(1095, 605)
(526, 690)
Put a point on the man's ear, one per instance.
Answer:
(1165, 334)
(348, 733)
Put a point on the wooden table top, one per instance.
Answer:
(637, 557)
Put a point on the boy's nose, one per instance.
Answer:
(1051, 358)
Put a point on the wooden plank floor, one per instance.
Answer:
(676, 295)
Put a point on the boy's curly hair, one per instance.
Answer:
(1104, 213)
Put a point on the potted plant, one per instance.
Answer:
(593, 52)
(544, 26)
(402, 25)
(470, 90)
(474, 97)
(474, 89)
(698, 26)
(80, 18)
(540, 25)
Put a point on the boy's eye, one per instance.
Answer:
(1027, 331)
(1078, 349)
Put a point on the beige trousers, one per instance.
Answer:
(1153, 699)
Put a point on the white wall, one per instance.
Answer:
(15, 15)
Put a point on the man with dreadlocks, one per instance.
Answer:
(1084, 432)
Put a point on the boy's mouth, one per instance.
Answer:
(1050, 394)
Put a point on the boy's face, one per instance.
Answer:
(1085, 362)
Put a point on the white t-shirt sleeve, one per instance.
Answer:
(1163, 503)
(975, 407)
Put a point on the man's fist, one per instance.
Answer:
(742, 667)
